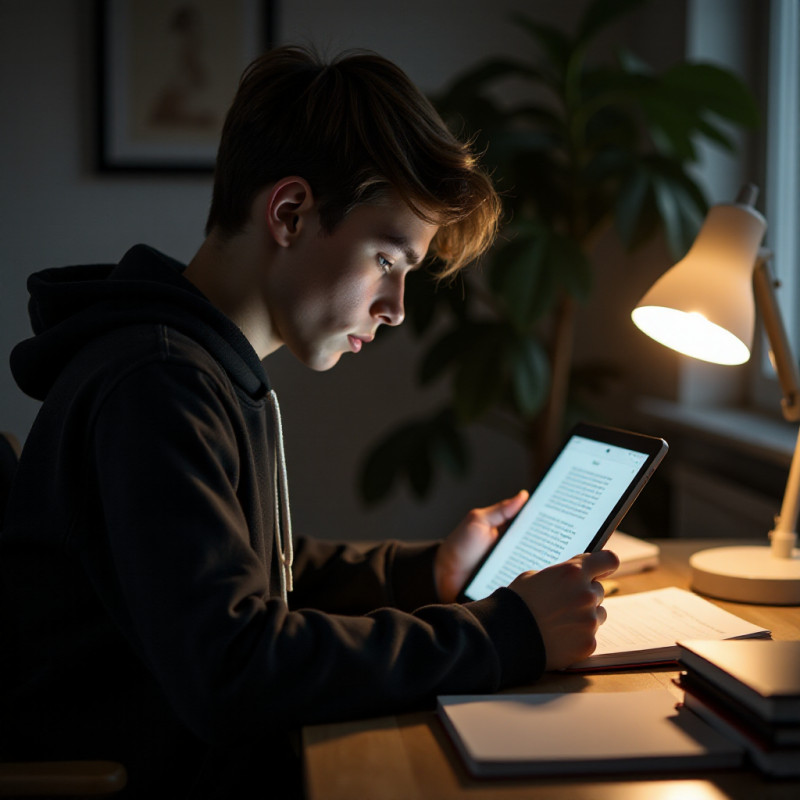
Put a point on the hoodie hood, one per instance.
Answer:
(71, 306)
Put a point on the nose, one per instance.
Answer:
(389, 308)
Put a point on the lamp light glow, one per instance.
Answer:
(691, 333)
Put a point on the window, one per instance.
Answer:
(782, 190)
(783, 149)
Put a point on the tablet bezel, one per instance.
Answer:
(655, 449)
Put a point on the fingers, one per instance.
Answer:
(598, 591)
(567, 603)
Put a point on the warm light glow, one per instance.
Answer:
(691, 334)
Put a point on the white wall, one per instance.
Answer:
(54, 209)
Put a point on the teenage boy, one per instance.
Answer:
(154, 609)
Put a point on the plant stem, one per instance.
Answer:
(551, 420)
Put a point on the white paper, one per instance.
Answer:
(639, 624)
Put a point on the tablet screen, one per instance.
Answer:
(580, 500)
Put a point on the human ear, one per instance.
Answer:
(288, 205)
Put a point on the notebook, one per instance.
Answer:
(581, 733)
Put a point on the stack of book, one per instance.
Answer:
(749, 690)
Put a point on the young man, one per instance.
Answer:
(154, 609)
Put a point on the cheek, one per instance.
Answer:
(347, 304)
(337, 283)
(339, 303)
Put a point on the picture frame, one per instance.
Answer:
(167, 71)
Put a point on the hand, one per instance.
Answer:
(565, 601)
(460, 552)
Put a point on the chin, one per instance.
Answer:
(324, 367)
(317, 359)
(321, 363)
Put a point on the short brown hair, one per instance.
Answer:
(355, 129)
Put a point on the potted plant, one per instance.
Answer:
(583, 147)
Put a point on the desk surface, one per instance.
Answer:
(409, 757)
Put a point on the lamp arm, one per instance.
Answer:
(785, 365)
(783, 536)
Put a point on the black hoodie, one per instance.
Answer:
(141, 616)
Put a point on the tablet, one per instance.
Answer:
(576, 506)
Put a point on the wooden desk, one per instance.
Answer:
(409, 757)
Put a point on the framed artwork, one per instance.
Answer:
(167, 72)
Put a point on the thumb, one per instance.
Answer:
(505, 510)
(601, 563)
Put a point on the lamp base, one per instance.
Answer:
(747, 575)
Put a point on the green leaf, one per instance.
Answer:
(569, 263)
(611, 129)
(539, 178)
(474, 81)
(631, 203)
(448, 445)
(715, 89)
(410, 452)
(507, 144)
(601, 13)
(420, 300)
(540, 115)
(480, 377)
(426, 295)
(442, 354)
(520, 279)
(609, 163)
(672, 126)
(631, 64)
(530, 375)
(715, 134)
(680, 224)
(553, 41)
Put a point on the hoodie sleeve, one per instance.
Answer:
(348, 579)
(178, 573)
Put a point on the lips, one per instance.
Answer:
(357, 342)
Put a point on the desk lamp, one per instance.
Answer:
(704, 307)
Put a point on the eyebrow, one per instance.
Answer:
(401, 242)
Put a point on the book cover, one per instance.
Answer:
(771, 734)
(764, 676)
(581, 733)
(775, 760)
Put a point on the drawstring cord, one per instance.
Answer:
(283, 515)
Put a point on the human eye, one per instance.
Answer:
(384, 264)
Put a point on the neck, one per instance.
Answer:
(230, 273)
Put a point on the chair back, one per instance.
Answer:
(9, 458)
(46, 778)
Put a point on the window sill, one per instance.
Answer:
(727, 468)
(746, 431)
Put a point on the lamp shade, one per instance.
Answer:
(703, 306)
